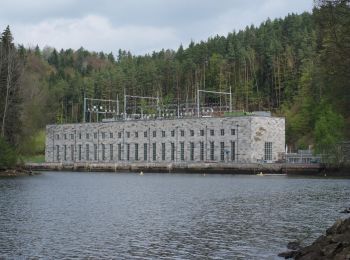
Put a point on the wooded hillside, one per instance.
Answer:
(298, 67)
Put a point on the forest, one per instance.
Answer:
(297, 67)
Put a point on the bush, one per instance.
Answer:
(33, 145)
(8, 157)
(329, 130)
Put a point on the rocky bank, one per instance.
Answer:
(15, 172)
(335, 244)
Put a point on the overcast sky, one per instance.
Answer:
(140, 26)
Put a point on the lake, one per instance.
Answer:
(163, 216)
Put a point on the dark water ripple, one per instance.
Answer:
(163, 216)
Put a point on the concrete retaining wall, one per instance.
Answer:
(246, 168)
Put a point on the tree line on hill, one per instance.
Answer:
(297, 67)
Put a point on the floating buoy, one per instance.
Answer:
(141, 173)
(260, 174)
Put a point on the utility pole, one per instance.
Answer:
(124, 105)
(237, 144)
(117, 105)
(230, 99)
(197, 102)
(158, 108)
(84, 117)
(204, 74)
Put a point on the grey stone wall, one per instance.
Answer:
(244, 136)
(267, 129)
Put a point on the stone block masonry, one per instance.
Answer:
(242, 139)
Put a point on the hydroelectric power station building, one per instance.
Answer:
(247, 138)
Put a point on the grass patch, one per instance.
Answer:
(33, 145)
(33, 149)
(39, 158)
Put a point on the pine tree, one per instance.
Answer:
(10, 74)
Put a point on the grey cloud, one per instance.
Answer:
(151, 12)
(179, 20)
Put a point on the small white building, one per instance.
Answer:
(302, 157)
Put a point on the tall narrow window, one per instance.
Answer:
(154, 133)
(182, 151)
(87, 136)
(128, 152)
(72, 152)
(110, 135)
(201, 152)
(163, 133)
(212, 132)
(79, 152)
(222, 151)
(58, 153)
(145, 134)
(222, 131)
(163, 151)
(233, 151)
(191, 132)
(103, 152)
(268, 151)
(233, 131)
(154, 151)
(212, 154)
(119, 134)
(172, 153)
(119, 152)
(111, 152)
(136, 152)
(172, 133)
(127, 134)
(95, 152)
(192, 151)
(145, 149)
(65, 152)
(202, 132)
(136, 134)
(87, 155)
(182, 132)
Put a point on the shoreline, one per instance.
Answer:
(18, 172)
(214, 168)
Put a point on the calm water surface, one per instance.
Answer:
(163, 216)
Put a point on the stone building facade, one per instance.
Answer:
(243, 139)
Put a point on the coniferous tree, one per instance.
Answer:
(11, 69)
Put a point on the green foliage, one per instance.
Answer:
(8, 157)
(329, 130)
(34, 144)
(168, 99)
(333, 31)
(40, 158)
(260, 65)
(284, 65)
